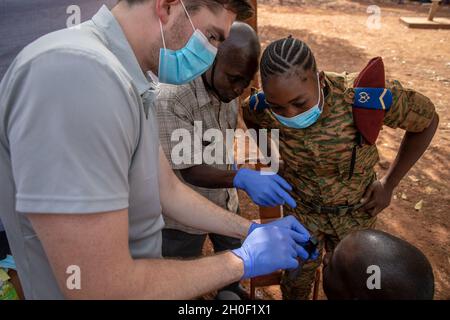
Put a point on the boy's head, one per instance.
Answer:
(404, 272)
(236, 63)
(291, 81)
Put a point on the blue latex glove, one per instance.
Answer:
(264, 190)
(291, 223)
(269, 248)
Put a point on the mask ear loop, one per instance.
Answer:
(320, 92)
(189, 17)
(162, 34)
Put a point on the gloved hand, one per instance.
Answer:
(291, 223)
(269, 248)
(264, 190)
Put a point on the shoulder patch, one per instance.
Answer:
(373, 98)
(258, 102)
(371, 101)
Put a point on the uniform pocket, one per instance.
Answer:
(363, 172)
(364, 219)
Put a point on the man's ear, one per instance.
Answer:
(163, 9)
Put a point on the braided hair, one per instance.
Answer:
(283, 55)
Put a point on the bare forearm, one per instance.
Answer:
(159, 279)
(98, 245)
(411, 149)
(190, 208)
(186, 206)
(177, 280)
(206, 176)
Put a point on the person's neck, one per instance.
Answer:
(137, 25)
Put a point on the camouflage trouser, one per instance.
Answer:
(329, 229)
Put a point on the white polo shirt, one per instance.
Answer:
(77, 137)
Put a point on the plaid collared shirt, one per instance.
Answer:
(178, 107)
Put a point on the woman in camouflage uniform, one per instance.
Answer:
(335, 184)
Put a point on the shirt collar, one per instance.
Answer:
(119, 46)
(203, 97)
(328, 96)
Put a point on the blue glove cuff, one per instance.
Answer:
(253, 226)
(242, 253)
(237, 180)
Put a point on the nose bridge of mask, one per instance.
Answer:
(197, 47)
(201, 47)
(184, 65)
(197, 43)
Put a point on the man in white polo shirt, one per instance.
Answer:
(83, 179)
(23, 21)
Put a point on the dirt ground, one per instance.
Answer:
(338, 35)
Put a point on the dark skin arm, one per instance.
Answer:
(378, 196)
(206, 176)
(250, 124)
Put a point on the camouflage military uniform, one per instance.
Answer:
(317, 164)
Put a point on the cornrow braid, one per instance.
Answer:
(283, 55)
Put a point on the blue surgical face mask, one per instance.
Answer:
(184, 65)
(305, 119)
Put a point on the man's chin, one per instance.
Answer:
(227, 100)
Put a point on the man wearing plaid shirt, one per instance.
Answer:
(212, 101)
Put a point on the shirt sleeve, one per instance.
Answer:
(410, 110)
(71, 135)
(177, 131)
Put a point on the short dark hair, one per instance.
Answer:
(407, 273)
(242, 8)
(283, 55)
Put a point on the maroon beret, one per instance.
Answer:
(369, 120)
